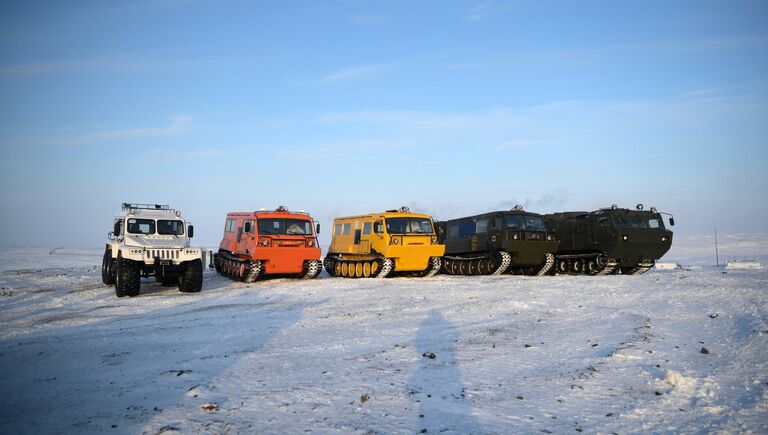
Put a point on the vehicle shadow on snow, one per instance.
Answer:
(436, 385)
(124, 371)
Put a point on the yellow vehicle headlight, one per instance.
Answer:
(434, 240)
(395, 240)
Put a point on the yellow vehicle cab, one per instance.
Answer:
(376, 245)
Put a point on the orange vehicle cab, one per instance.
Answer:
(269, 242)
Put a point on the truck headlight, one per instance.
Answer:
(549, 237)
(135, 251)
(434, 240)
(663, 238)
(514, 236)
(265, 242)
(190, 251)
(625, 237)
(395, 240)
(310, 243)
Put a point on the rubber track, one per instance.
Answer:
(386, 268)
(506, 259)
(313, 268)
(642, 268)
(548, 262)
(232, 267)
(436, 264)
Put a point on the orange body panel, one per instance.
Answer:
(282, 254)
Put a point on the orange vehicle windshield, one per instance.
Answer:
(282, 227)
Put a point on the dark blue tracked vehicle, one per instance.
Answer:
(512, 241)
(610, 240)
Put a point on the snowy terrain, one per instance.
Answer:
(678, 350)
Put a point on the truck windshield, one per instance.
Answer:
(141, 226)
(173, 228)
(281, 227)
(525, 222)
(409, 226)
(637, 222)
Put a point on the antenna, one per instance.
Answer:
(717, 255)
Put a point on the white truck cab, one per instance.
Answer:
(151, 240)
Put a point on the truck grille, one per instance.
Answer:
(163, 254)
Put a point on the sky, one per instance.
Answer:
(347, 107)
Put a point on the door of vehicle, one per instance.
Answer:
(244, 235)
(240, 247)
(602, 229)
(365, 237)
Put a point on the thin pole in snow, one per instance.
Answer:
(717, 255)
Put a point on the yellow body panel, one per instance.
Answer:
(411, 253)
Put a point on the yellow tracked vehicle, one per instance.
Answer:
(379, 244)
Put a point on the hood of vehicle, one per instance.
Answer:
(155, 241)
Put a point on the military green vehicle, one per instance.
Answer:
(610, 240)
(513, 241)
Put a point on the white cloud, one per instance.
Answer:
(356, 72)
(477, 13)
(177, 125)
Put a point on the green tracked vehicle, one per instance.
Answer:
(610, 240)
(513, 241)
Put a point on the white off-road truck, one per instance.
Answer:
(151, 240)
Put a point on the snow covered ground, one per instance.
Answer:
(681, 350)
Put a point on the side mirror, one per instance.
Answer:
(672, 222)
(317, 229)
(116, 229)
(191, 231)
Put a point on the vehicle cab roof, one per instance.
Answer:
(279, 213)
(386, 214)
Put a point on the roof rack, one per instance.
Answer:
(281, 209)
(154, 207)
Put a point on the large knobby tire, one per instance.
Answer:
(127, 278)
(191, 280)
(108, 268)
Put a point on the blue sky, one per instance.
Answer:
(341, 107)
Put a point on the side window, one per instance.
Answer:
(231, 224)
(119, 227)
(453, 231)
(653, 223)
(337, 229)
(347, 227)
(247, 227)
(482, 226)
(467, 228)
(378, 227)
(366, 228)
(602, 222)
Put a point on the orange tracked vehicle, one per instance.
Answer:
(268, 242)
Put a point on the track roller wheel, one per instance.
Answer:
(483, 266)
(463, 267)
(592, 268)
(577, 266)
(472, 267)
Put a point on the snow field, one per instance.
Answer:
(448, 354)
